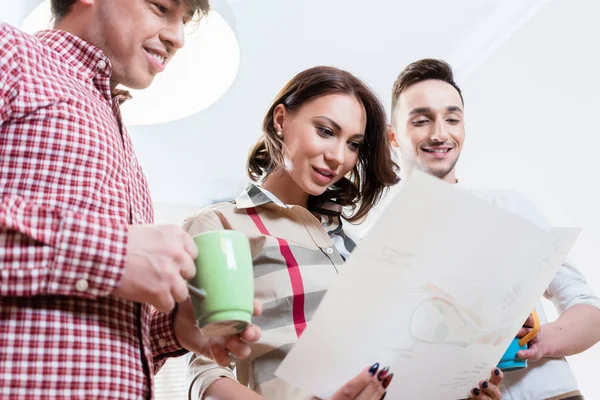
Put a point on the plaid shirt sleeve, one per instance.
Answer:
(46, 250)
(9, 73)
(58, 251)
(164, 343)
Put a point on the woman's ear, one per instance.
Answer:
(279, 115)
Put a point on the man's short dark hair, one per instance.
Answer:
(60, 8)
(423, 70)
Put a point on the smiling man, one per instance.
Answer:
(428, 120)
(87, 286)
(428, 117)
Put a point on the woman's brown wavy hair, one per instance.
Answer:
(375, 169)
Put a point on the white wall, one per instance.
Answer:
(532, 113)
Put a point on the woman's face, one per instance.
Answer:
(322, 140)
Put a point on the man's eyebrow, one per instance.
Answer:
(191, 11)
(420, 110)
(424, 110)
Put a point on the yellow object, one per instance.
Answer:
(536, 328)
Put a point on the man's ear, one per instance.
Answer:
(392, 136)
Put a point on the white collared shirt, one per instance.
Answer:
(548, 377)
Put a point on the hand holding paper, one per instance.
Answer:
(370, 384)
(437, 291)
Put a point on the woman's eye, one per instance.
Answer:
(160, 7)
(354, 146)
(325, 131)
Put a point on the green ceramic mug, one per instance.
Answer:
(222, 292)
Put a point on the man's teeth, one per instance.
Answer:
(158, 58)
(437, 150)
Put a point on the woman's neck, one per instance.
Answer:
(281, 184)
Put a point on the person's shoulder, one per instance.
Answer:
(8, 31)
(515, 201)
(501, 197)
(8, 41)
(15, 36)
(21, 48)
(213, 210)
(209, 218)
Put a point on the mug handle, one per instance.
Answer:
(199, 294)
(536, 328)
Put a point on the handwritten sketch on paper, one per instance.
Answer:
(438, 316)
(435, 292)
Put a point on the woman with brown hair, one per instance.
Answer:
(324, 157)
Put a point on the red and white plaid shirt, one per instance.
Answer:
(69, 186)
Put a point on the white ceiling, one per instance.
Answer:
(201, 158)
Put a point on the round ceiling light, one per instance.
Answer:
(199, 74)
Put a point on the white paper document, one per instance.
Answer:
(437, 291)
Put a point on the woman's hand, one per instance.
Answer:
(370, 384)
(220, 349)
(488, 389)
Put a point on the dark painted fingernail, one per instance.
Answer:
(386, 382)
(497, 372)
(383, 397)
(383, 373)
(374, 369)
(476, 392)
(485, 385)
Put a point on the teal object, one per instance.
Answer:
(510, 361)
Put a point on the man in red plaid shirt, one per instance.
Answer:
(87, 286)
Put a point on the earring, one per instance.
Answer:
(280, 134)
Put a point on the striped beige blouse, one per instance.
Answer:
(296, 255)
